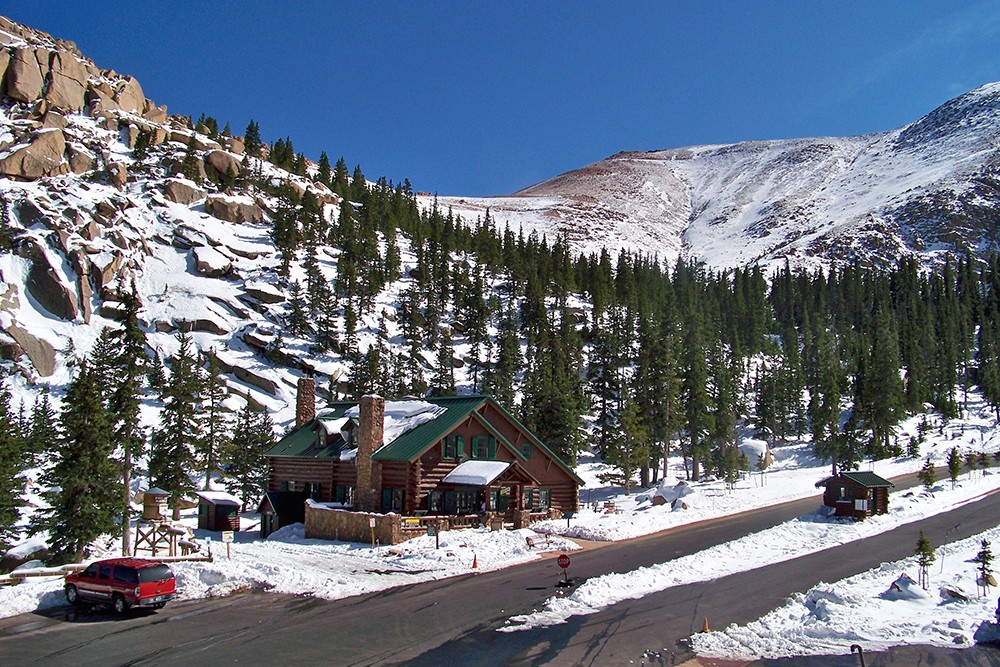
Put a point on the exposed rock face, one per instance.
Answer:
(305, 401)
(41, 354)
(25, 76)
(117, 175)
(42, 157)
(222, 162)
(181, 191)
(129, 96)
(258, 381)
(69, 82)
(44, 284)
(263, 293)
(80, 159)
(212, 263)
(233, 209)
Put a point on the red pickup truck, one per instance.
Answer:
(122, 583)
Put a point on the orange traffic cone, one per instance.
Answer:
(704, 626)
(475, 563)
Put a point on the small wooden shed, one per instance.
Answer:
(857, 494)
(278, 509)
(218, 510)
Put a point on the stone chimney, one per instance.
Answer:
(305, 401)
(369, 473)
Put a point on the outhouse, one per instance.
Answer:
(218, 510)
(857, 494)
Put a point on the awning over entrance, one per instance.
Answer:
(476, 473)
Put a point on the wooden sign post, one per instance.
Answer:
(227, 537)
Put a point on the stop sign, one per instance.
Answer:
(563, 561)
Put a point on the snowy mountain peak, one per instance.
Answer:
(920, 190)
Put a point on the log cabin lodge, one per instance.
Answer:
(463, 458)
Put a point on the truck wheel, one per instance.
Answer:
(119, 603)
(72, 596)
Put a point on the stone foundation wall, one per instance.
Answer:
(337, 524)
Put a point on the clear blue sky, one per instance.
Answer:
(473, 98)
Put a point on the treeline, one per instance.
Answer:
(90, 450)
(650, 354)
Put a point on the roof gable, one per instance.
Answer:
(865, 478)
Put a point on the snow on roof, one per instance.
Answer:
(476, 473)
(219, 497)
(402, 416)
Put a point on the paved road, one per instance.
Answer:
(453, 621)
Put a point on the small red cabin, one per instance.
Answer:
(857, 494)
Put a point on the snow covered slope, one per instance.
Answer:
(928, 187)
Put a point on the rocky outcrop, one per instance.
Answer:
(25, 75)
(80, 159)
(129, 96)
(182, 191)
(68, 82)
(212, 263)
(41, 354)
(233, 209)
(255, 380)
(45, 285)
(221, 163)
(42, 157)
(117, 175)
(263, 292)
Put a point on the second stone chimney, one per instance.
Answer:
(371, 416)
(305, 401)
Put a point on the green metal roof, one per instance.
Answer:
(867, 478)
(303, 442)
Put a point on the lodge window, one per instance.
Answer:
(435, 502)
(484, 447)
(343, 494)
(392, 500)
(526, 498)
(842, 493)
(288, 485)
(500, 499)
(460, 502)
(311, 489)
(526, 449)
(544, 499)
(453, 447)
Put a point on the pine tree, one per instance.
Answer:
(628, 449)
(246, 465)
(925, 557)
(926, 474)
(985, 560)
(6, 232)
(216, 421)
(43, 428)
(251, 139)
(83, 495)
(323, 173)
(124, 399)
(12, 462)
(181, 426)
(189, 165)
(954, 466)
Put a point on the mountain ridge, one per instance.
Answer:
(811, 201)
